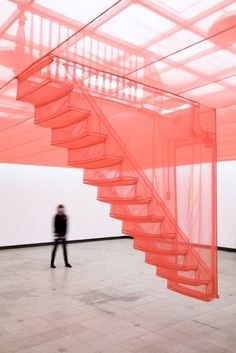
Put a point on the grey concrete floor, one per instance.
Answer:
(109, 302)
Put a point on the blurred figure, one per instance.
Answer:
(60, 228)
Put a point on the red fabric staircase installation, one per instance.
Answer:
(151, 156)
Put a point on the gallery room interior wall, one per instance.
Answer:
(29, 195)
(28, 199)
(226, 209)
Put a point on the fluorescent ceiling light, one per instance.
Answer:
(181, 107)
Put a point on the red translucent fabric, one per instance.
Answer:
(226, 132)
(152, 156)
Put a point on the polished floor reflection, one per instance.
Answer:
(109, 302)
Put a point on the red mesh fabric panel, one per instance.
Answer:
(226, 132)
(151, 155)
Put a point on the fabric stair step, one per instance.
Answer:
(62, 118)
(42, 93)
(121, 181)
(125, 201)
(155, 260)
(137, 234)
(157, 250)
(85, 140)
(189, 291)
(138, 219)
(98, 162)
(174, 277)
(164, 242)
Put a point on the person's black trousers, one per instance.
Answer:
(58, 241)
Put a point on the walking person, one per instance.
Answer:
(60, 229)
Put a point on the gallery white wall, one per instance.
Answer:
(226, 196)
(29, 195)
(28, 198)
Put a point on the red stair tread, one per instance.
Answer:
(139, 219)
(157, 250)
(46, 92)
(85, 140)
(180, 279)
(152, 243)
(155, 260)
(122, 181)
(63, 118)
(101, 162)
(189, 292)
(149, 235)
(125, 201)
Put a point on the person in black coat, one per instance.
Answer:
(60, 229)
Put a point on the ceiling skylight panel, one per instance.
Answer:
(193, 50)
(5, 43)
(187, 8)
(207, 89)
(231, 7)
(6, 73)
(231, 80)
(136, 25)
(206, 22)
(160, 65)
(91, 48)
(198, 8)
(175, 76)
(6, 10)
(176, 6)
(13, 29)
(80, 10)
(175, 42)
(215, 62)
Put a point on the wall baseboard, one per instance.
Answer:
(5, 247)
(226, 249)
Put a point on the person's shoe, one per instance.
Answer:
(53, 266)
(68, 265)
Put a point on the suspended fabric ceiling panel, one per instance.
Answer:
(187, 48)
